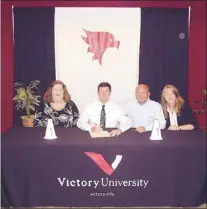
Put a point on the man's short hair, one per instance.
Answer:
(143, 84)
(104, 84)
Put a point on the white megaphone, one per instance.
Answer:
(50, 131)
(156, 132)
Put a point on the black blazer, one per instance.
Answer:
(186, 117)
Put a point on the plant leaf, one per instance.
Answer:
(25, 97)
(204, 92)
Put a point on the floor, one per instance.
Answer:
(201, 206)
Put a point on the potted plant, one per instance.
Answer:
(203, 102)
(205, 97)
(26, 99)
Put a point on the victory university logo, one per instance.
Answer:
(102, 164)
(99, 42)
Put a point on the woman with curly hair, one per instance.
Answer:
(58, 106)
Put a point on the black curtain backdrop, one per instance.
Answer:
(164, 50)
(33, 48)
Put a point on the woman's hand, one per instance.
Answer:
(174, 128)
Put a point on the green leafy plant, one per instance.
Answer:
(26, 97)
(203, 102)
(205, 97)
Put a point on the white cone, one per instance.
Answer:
(50, 131)
(156, 132)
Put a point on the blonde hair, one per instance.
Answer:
(48, 94)
(179, 102)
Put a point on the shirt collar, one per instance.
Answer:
(144, 103)
(169, 110)
(102, 103)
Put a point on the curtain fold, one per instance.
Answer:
(164, 49)
(34, 57)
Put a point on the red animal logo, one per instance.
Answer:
(99, 42)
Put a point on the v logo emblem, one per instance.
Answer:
(101, 162)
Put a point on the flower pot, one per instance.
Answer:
(28, 121)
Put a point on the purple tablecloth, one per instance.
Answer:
(38, 172)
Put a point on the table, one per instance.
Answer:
(39, 172)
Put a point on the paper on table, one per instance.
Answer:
(100, 134)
